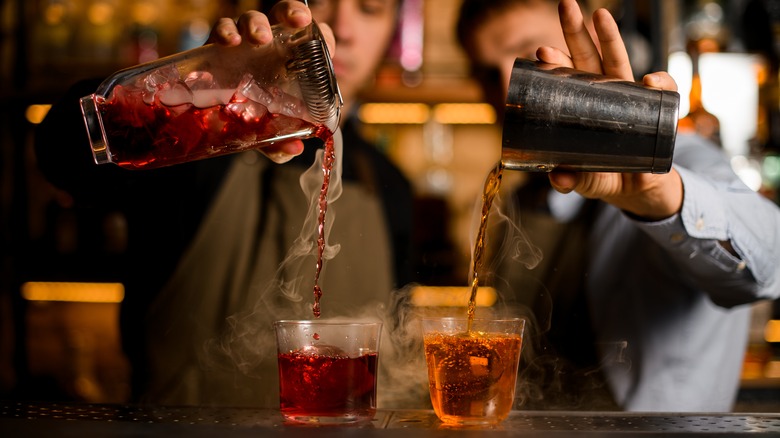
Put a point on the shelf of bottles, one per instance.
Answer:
(726, 67)
(55, 42)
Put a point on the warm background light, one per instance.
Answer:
(464, 114)
(74, 292)
(36, 113)
(394, 113)
(145, 13)
(54, 14)
(419, 113)
(451, 296)
(100, 13)
(772, 331)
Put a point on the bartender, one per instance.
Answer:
(650, 276)
(203, 270)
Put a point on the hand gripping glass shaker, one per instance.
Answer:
(572, 120)
(214, 100)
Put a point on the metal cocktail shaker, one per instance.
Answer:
(558, 117)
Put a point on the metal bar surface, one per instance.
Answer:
(22, 419)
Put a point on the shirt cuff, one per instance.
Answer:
(698, 227)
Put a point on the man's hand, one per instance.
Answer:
(254, 28)
(649, 196)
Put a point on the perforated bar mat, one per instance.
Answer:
(73, 419)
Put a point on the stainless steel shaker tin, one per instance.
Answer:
(569, 119)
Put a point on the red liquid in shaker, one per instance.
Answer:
(162, 132)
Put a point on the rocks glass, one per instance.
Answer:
(472, 372)
(327, 370)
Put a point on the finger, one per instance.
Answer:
(254, 27)
(661, 79)
(551, 55)
(283, 152)
(615, 60)
(563, 182)
(291, 13)
(224, 32)
(584, 52)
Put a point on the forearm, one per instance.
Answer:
(718, 212)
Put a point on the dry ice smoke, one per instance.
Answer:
(246, 352)
(247, 348)
(403, 374)
(547, 378)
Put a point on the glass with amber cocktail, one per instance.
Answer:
(472, 372)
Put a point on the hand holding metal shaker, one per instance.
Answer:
(561, 118)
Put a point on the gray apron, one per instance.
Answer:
(210, 332)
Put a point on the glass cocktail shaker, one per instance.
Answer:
(215, 100)
(574, 120)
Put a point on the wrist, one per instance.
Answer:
(658, 198)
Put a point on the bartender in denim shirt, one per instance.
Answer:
(661, 268)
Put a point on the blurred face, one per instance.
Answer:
(515, 33)
(363, 30)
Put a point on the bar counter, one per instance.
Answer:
(29, 420)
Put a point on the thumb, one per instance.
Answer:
(563, 182)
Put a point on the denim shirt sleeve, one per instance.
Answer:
(718, 207)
